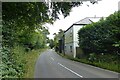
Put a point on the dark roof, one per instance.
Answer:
(85, 21)
(88, 20)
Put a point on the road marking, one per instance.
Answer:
(52, 58)
(70, 70)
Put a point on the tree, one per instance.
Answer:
(57, 37)
(51, 43)
(101, 37)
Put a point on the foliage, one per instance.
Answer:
(100, 42)
(92, 57)
(36, 12)
(20, 30)
(31, 61)
(51, 43)
(99, 61)
(57, 37)
(102, 36)
(12, 67)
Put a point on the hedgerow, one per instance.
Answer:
(102, 36)
(100, 42)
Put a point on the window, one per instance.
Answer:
(70, 48)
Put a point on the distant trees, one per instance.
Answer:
(57, 37)
(51, 43)
(102, 36)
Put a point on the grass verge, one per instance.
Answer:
(104, 65)
(31, 58)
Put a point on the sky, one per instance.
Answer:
(102, 9)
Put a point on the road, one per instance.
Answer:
(51, 65)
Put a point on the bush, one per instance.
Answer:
(101, 37)
(12, 62)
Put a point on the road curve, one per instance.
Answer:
(51, 65)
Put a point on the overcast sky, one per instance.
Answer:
(103, 9)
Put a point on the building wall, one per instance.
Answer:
(69, 50)
(76, 28)
(69, 42)
(69, 36)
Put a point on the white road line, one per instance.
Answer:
(70, 70)
(52, 58)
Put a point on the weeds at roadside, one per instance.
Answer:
(104, 65)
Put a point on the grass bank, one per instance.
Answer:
(31, 58)
(105, 65)
(23, 62)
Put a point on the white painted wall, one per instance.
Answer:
(76, 28)
(71, 39)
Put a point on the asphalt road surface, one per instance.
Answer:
(51, 65)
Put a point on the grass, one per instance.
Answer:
(105, 65)
(31, 58)
(24, 62)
